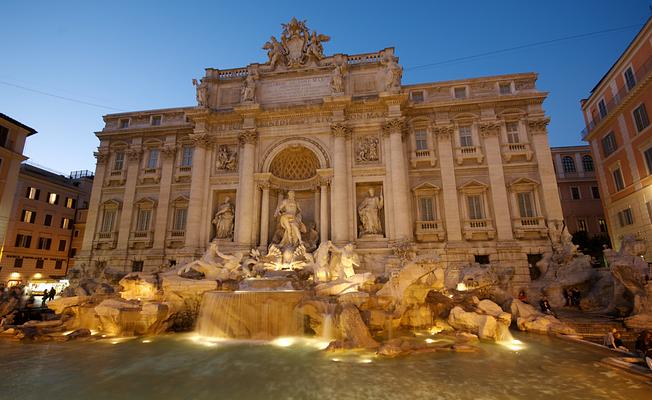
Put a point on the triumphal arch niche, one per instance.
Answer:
(310, 147)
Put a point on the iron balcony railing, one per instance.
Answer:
(639, 76)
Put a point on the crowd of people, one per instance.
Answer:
(18, 304)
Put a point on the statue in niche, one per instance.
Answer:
(369, 214)
(311, 237)
(288, 213)
(367, 149)
(393, 74)
(248, 94)
(226, 159)
(224, 220)
(202, 92)
(337, 78)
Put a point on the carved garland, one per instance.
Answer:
(393, 126)
(538, 125)
(489, 129)
(133, 154)
(340, 130)
(248, 136)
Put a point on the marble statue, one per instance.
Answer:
(369, 214)
(248, 93)
(315, 48)
(297, 46)
(226, 160)
(311, 237)
(223, 220)
(275, 52)
(337, 78)
(393, 74)
(288, 213)
(202, 92)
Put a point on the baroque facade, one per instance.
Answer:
(459, 170)
(619, 134)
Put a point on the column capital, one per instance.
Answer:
(248, 136)
(489, 129)
(168, 151)
(394, 125)
(340, 130)
(134, 153)
(443, 131)
(538, 125)
(202, 140)
(102, 156)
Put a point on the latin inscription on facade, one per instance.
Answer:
(280, 91)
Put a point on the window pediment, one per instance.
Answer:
(426, 188)
(112, 203)
(146, 202)
(523, 184)
(473, 186)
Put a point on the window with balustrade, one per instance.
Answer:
(143, 219)
(526, 208)
(109, 217)
(466, 136)
(512, 132)
(152, 159)
(118, 160)
(421, 140)
(186, 156)
(428, 227)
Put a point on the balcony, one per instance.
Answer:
(117, 177)
(105, 240)
(517, 150)
(429, 231)
(468, 152)
(183, 173)
(141, 239)
(478, 229)
(150, 175)
(426, 156)
(529, 227)
(176, 238)
(640, 77)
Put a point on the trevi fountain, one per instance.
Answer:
(301, 318)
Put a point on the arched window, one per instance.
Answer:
(587, 163)
(568, 163)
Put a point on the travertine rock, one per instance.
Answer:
(485, 326)
(353, 329)
(138, 286)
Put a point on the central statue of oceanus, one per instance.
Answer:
(288, 213)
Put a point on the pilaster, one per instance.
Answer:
(499, 200)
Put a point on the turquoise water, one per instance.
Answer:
(176, 367)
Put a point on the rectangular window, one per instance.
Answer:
(73, 252)
(28, 216)
(618, 179)
(156, 120)
(53, 198)
(640, 118)
(44, 243)
(649, 210)
(625, 217)
(39, 263)
(481, 259)
(466, 137)
(62, 245)
(602, 224)
(108, 219)
(460, 92)
(421, 138)
(526, 205)
(426, 208)
(602, 106)
(476, 211)
(417, 96)
(142, 220)
(186, 156)
(48, 220)
(33, 193)
(512, 132)
(180, 219)
(66, 223)
(119, 161)
(123, 123)
(70, 202)
(609, 144)
(23, 241)
(137, 266)
(58, 264)
(152, 161)
(18, 262)
(630, 80)
(648, 159)
(4, 135)
(581, 225)
(595, 191)
(575, 193)
(505, 88)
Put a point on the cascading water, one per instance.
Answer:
(504, 335)
(250, 314)
(327, 329)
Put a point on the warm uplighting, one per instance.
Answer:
(147, 341)
(435, 330)
(514, 344)
(15, 275)
(430, 341)
(38, 275)
(284, 341)
(365, 361)
(461, 287)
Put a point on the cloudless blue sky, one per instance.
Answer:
(138, 55)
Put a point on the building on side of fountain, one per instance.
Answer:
(462, 169)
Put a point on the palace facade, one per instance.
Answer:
(461, 170)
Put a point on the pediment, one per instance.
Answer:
(473, 184)
(523, 181)
(426, 186)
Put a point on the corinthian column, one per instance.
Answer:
(339, 211)
(397, 170)
(264, 214)
(197, 190)
(500, 205)
(133, 156)
(244, 212)
(550, 192)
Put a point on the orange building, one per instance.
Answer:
(41, 231)
(619, 133)
(12, 142)
(578, 190)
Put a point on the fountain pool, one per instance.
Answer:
(177, 367)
